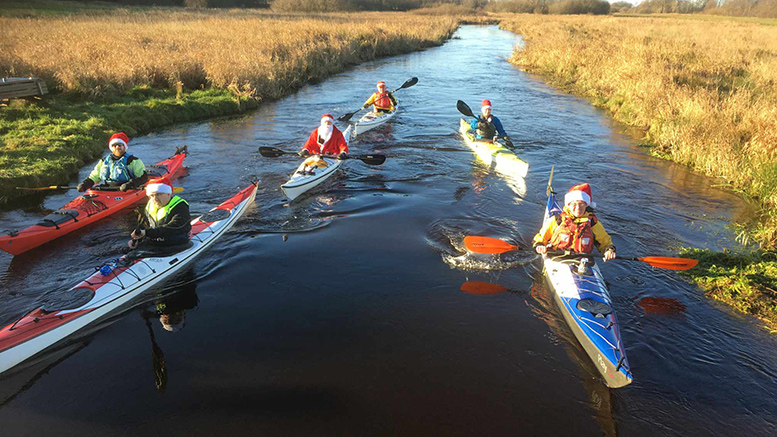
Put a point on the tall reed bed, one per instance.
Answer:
(139, 70)
(704, 91)
(260, 51)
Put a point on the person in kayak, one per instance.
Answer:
(382, 101)
(487, 126)
(164, 224)
(326, 140)
(576, 228)
(118, 169)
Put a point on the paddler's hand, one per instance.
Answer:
(138, 235)
(303, 153)
(342, 155)
(126, 186)
(85, 185)
(541, 249)
(132, 244)
(609, 254)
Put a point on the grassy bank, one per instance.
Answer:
(141, 69)
(747, 282)
(704, 93)
(703, 90)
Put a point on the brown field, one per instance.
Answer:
(704, 91)
(253, 51)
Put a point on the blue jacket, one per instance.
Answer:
(497, 124)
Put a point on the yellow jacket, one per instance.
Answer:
(602, 239)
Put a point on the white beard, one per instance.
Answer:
(325, 132)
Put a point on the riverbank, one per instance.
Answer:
(703, 92)
(142, 69)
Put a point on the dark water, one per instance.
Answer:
(356, 325)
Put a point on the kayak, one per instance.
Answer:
(495, 155)
(115, 284)
(312, 172)
(372, 120)
(585, 302)
(95, 204)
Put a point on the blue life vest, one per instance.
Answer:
(116, 171)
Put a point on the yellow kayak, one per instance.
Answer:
(495, 155)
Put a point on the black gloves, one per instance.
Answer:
(342, 155)
(127, 186)
(85, 185)
(303, 152)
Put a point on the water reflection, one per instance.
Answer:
(170, 309)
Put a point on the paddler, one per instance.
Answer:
(382, 101)
(118, 169)
(326, 140)
(487, 126)
(576, 228)
(164, 224)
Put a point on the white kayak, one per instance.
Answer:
(313, 172)
(112, 287)
(372, 120)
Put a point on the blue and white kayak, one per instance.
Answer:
(586, 305)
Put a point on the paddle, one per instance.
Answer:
(51, 187)
(494, 245)
(272, 152)
(465, 109)
(482, 288)
(408, 83)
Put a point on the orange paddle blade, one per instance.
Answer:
(487, 245)
(667, 262)
(482, 288)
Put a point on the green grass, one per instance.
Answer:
(45, 142)
(745, 281)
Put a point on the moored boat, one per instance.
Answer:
(583, 298)
(95, 204)
(114, 285)
(313, 172)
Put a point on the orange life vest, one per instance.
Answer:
(382, 100)
(574, 233)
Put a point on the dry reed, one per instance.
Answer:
(704, 91)
(259, 51)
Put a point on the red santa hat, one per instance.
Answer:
(381, 84)
(119, 138)
(486, 104)
(327, 117)
(580, 192)
(159, 185)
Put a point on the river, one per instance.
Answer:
(342, 313)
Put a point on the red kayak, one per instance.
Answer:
(86, 209)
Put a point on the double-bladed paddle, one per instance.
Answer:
(494, 245)
(408, 83)
(272, 152)
(466, 110)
